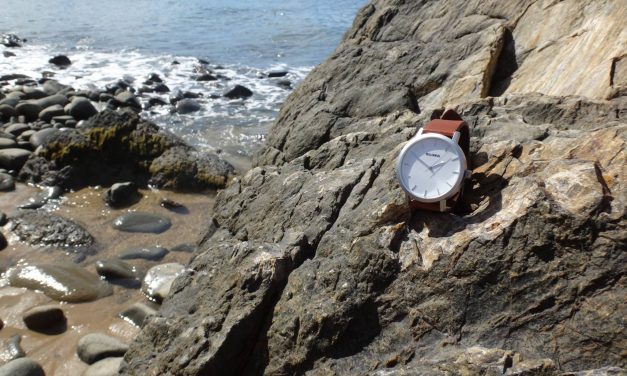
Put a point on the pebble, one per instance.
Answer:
(21, 367)
(3, 219)
(6, 143)
(3, 242)
(121, 194)
(96, 346)
(13, 158)
(273, 74)
(238, 92)
(51, 100)
(137, 313)
(7, 182)
(206, 77)
(62, 281)
(62, 119)
(30, 110)
(7, 111)
(128, 99)
(44, 318)
(142, 222)
(169, 204)
(158, 280)
(115, 269)
(154, 253)
(104, 367)
(51, 87)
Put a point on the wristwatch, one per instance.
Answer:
(432, 166)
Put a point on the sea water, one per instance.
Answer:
(121, 39)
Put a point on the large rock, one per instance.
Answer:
(111, 147)
(48, 229)
(314, 264)
(65, 282)
(61, 61)
(180, 168)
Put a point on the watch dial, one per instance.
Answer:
(430, 168)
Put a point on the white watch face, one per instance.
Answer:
(431, 167)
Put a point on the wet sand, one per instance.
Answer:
(57, 353)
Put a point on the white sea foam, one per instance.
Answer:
(235, 126)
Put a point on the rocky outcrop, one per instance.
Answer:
(113, 146)
(314, 263)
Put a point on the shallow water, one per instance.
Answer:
(57, 353)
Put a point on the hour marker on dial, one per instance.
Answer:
(425, 193)
(414, 187)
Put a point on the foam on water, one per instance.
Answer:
(236, 127)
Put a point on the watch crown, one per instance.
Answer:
(467, 174)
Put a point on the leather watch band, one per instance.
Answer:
(449, 123)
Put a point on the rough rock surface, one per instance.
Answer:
(112, 147)
(313, 263)
(42, 228)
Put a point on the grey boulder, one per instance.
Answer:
(80, 108)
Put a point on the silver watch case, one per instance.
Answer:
(453, 142)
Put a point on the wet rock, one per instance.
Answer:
(127, 99)
(21, 367)
(180, 168)
(3, 242)
(62, 119)
(7, 143)
(154, 77)
(61, 61)
(121, 194)
(30, 110)
(137, 313)
(13, 76)
(158, 280)
(33, 93)
(186, 106)
(156, 102)
(161, 88)
(141, 222)
(11, 40)
(13, 158)
(42, 198)
(206, 77)
(65, 282)
(7, 182)
(80, 108)
(238, 92)
(48, 229)
(8, 54)
(3, 219)
(44, 318)
(170, 204)
(154, 253)
(42, 137)
(273, 74)
(104, 367)
(115, 269)
(96, 346)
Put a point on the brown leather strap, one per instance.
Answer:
(449, 123)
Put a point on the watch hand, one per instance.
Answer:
(438, 164)
(420, 160)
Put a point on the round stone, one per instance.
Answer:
(66, 282)
(44, 318)
(42, 137)
(6, 143)
(115, 269)
(21, 367)
(96, 346)
(104, 367)
(13, 158)
(159, 279)
(7, 182)
(186, 106)
(137, 314)
(141, 222)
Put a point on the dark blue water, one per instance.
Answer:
(256, 33)
(114, 39)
